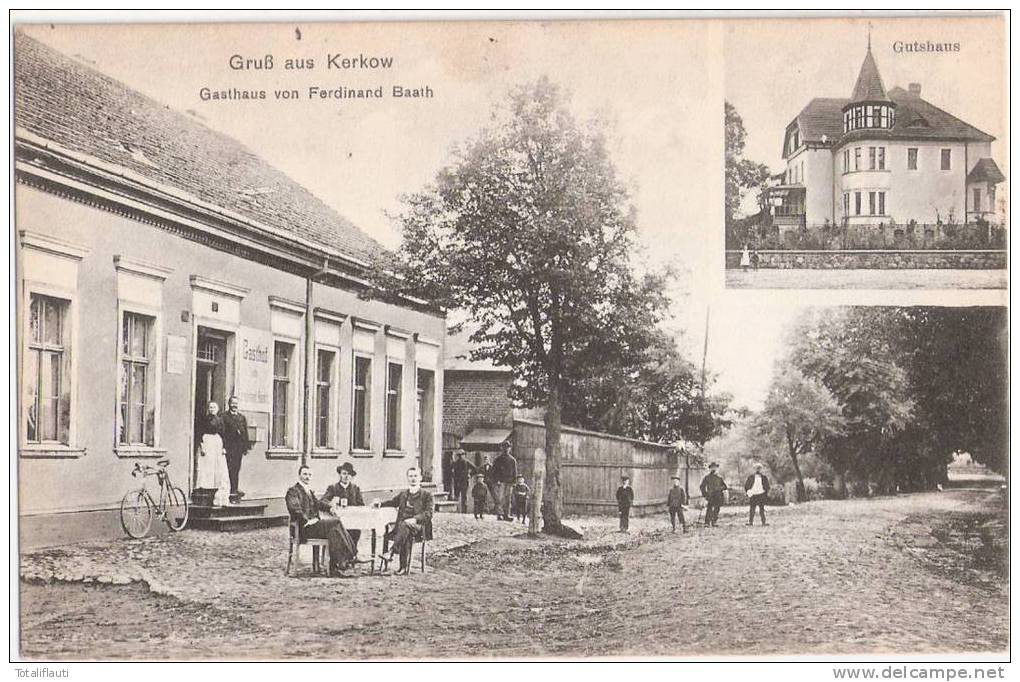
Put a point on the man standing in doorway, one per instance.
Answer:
(235, 445)
(712, 487)
(504, 471)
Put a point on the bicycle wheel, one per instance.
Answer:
(136, 513)
(176, 509)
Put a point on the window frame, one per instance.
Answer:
(399, 417)
(291, 441)
(366, 447)
(333, 393)
(976, 196)
(50, 448)
(153, 379)
(65, 349)
(857, 203)
(946, 158)
(917, 155)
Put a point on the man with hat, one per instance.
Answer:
(344, 493)
(757, 488)
(462, 471)
(712, 487)
(675, 502)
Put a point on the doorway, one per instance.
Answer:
(213, 377)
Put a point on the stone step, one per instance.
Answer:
(447, 506)
(235, 524)
(198, 511)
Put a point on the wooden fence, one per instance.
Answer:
(592, 463)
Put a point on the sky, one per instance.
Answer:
(775, 67)
(658, 85)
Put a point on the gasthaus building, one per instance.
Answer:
(162, 265)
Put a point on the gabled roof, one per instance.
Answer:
(82, 110)
(869, 87)
(916, 119)
(986, 170)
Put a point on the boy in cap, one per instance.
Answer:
(675, 502)
(479, 493)
(712, 487)
(519, 502)
(624, 500)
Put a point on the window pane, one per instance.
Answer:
(946, 158)
(52, 322)
(325, 366)
(280, 390)
(35, 319)
(49, 394)
(881, 158)
(31, 378)
(138, 380)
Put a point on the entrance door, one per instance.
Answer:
(213, 377)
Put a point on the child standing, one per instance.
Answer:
(624, 500)
(479, 493)
(519, 501)
(675, 502)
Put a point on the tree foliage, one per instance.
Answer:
(800, 414)
(530, 232)
(742, 175)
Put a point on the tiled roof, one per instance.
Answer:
(986, 170)
(869, 87)
(87, 112)
(916, 119)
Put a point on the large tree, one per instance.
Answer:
(530, 232)
(799, 415)
(661, 399)
(742, 175)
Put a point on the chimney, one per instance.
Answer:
(914, 89)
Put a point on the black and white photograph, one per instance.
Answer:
(341, 338)
(866, 153)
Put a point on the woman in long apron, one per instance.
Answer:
(212, 470)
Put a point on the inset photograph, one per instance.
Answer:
(866, 154)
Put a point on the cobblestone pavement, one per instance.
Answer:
(823, 578)
(866, 279)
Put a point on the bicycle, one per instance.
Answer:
(138, 506)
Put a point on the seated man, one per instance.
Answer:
(304, 507)
(414, 519)
(345, 494)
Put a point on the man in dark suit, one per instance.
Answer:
(712, 488)
(462, 471)
(304, 507)
(235, 445)
(414, 519)
(504, 472)
(344, 493)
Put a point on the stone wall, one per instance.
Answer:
(877, 260)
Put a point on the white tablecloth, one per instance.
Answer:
(367, 518)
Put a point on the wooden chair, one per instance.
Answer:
(418, 537)
(317, 544)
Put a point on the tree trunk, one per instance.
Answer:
(801, 490)
(552, 502)
(538, 476)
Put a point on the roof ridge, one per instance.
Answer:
(310, 218)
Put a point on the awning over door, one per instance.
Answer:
(485, 439)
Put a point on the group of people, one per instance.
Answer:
(320, 517)
(713, 489)
(223, 445)
(498, 486)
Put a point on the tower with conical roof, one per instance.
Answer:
(870, 107)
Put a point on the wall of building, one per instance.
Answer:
(473, 399)
(94, 474)
(818, 179)
(885, 259)
(927, 194)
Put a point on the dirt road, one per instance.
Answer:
(918, 574)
